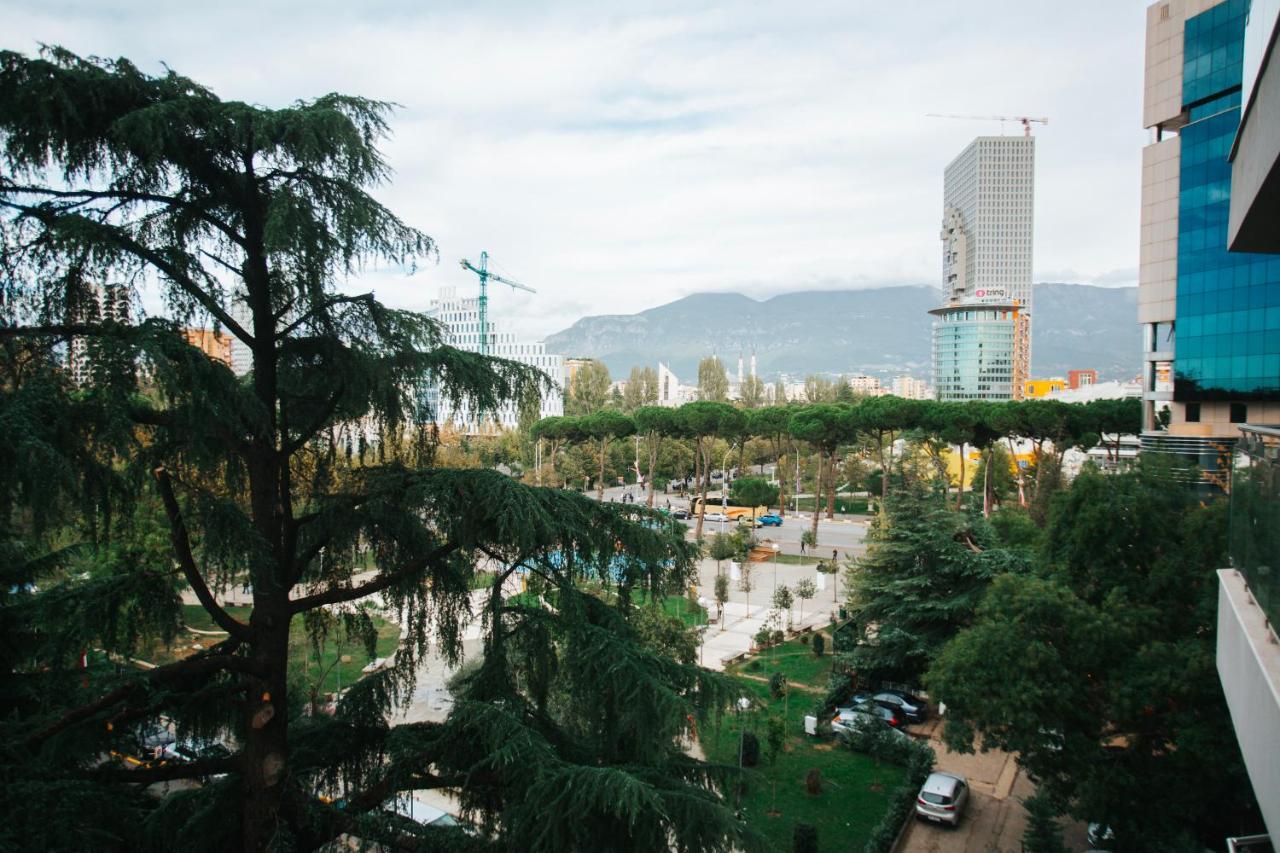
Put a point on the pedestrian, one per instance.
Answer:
(801, 546)
(834, 555)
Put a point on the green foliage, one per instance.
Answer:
(713, 382)
(783, 598)
(804, 838)
(926, 569)
(589, 390)
(1043, 834)
(902, 802)
(819, 645)
(724, 546)
(809, 539)
(777, 685)
(750, 747)
(753, 491)
(1014, 528)
(775, 736)
(1114, 637)
(249, 219)
(665, 635)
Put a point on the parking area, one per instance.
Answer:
(995, 819)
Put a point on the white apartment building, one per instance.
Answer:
(110, 302)
(982, 339)
(910, 388)
(460, 318)
(866, 385)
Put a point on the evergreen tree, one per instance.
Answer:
(567, 737)
(590, 391)
(923, 576)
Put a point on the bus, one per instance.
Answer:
(734, 512)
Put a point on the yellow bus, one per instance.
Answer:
(733, 512)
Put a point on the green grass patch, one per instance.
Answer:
(855, 791)
(792, 560)
(327, 672)
(797, 662)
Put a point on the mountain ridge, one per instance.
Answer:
(879, 331)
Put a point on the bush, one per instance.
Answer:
(902, 801)
(763, 637)
(1042, 835)
(813, 782)
(753, 665)
(777, 685)
(804, 839)
(804, 638)
(777, 637)
(819, 644)
(750, 749)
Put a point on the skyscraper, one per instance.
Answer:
(982, 337)
(1210, 317)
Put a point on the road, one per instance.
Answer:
(845, 533)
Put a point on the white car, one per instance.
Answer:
(943, 798)
(715, 516)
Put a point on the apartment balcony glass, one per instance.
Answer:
(1255, 515)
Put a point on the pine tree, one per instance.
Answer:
(170, 472)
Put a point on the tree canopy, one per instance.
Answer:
(312, 483)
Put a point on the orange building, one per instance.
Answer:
(1081, 378)
(214, 344)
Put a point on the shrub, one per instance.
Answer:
(804, 638)
(763, 637)
(1042, 835)
(750, 749)
(777, 685)
(902, 801)
(819, 644)
(813, 782)
(804, 839)
(753, 665)
(777, 637)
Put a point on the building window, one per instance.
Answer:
(1239, 413)
(1192, 413)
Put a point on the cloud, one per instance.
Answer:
(616, 156)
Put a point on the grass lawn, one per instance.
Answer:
(302, 656)
(843, 504)
(793, 659)
(855, 787)
(791, 560)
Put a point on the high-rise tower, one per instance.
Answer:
(982, 337)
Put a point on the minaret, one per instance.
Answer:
(753, 364)
(739, 370)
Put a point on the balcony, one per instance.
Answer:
(1248, 652)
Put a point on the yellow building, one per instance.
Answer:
(1034, 389)
(973, 457)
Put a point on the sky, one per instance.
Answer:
(616, 156)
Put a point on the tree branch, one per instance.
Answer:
(366, 298)
(196, 665)
(384, 580)
(61, 330)
(168, 771)
(182, 547)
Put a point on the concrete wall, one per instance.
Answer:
(1249, 667)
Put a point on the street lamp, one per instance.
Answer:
(776, 548)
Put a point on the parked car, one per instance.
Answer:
(1101, 836)
(943, 798)
(680, 513)
(770, 520)
(889, 715)
(745, 521)
(715, 516)
(849, 720)
(913, 708)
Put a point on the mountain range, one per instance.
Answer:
(882, 332)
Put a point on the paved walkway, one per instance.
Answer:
(996, 818)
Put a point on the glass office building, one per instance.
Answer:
(974, 352)
(1227, 331)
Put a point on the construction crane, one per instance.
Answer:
(485, 277)
(1026, 120)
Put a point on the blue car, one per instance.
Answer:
(770, 520)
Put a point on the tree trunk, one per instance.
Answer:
(1022, 477)
(654, 440)
(831, 486)
(604, 447)
(988, 483)
(817, 498)
(699, 487)
(266, 747)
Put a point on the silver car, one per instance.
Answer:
(943, 798)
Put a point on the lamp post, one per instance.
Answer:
(776, 548)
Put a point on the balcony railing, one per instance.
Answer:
(1255, 515)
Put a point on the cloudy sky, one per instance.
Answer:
(616, 156)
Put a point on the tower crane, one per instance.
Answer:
(1026, 120)
(485, 277)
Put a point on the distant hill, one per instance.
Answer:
(883, 332)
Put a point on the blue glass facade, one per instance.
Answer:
(973, 353)
(1227, 335)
